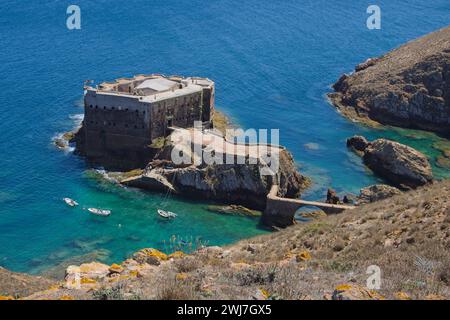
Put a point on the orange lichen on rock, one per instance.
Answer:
(402, 296)
(115, 268)
(265, 293)
(355, 292)
(6, 298)
(303, 256)
(176, 255)
(87, 281)
(155, 253)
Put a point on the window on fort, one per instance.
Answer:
(126, 109)
(91, 106)
(96, 107)
(112, 108)
(104, 108)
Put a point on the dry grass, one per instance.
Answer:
(406, 236)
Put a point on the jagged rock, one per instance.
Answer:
(92, 270)
(358, 143)
(60, 143)
(376, 192)
(350, 199)
(150, 256)
(366, 64)
(115, 268)
(151, 181)
(403, 166)
(408, 87)
(332, 197)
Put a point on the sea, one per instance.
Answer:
(273, 63)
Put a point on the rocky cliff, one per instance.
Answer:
(408, 87)
(244, 184)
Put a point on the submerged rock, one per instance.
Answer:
(235, 210)
(408, 87)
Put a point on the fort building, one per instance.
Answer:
(122, 118)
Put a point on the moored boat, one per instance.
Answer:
(99, 212)
(166, 214)
(70, 202)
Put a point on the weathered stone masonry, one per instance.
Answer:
(123, 118)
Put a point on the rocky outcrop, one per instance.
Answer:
(332, 197)
(359, 143)
(401, 165)
(376, 192)
(243, 184)
(408, 87)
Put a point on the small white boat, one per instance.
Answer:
(166, 214)
(99, 212)
(70, 202)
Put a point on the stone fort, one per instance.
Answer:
(124, 117)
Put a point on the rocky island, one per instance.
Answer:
(408, 87)
(141, 125)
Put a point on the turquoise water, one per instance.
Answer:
(273, 63)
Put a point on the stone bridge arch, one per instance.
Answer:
(280, 212)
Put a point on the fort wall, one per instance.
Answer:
(121, 121)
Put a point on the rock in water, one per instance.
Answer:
(332, 197)
(403, 166)
(408, 87)
(359, 143)
(376, 192)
